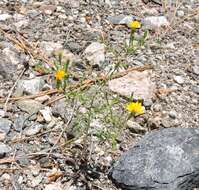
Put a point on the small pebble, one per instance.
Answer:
(173, 114)
(20, 180)
(179, 79)
(180, 13)
(6, 176)
(157, 107)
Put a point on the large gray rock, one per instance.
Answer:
(163, 160)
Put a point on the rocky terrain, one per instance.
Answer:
(54, 139)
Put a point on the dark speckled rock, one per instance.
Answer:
(163, 160)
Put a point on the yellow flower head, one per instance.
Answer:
(59, 75)
(135, 107)
(134, 24)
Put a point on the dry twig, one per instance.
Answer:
(11, 90)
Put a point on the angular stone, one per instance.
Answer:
(60, 108)
(4, 149)
(155, 22)
(164, 160)
(54, 186)
(135, 127)
(5, 125)
(94, 53)
(195, 89)
(7, 69)
(32, 86)
(2, 113)
(4, 17)
(49, 47)
(29, 106)
(11, 55)
(18, 123)
(47, 114)
(179, 79)
(135, 83)
(48, 9)
(196, 69)
(120, 19)
(33, 130)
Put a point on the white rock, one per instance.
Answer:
(59, 9)
(33, 130)
(180, 13)
(36, 181)
(95, 53)
(179, 79)
(51, 124)
(20, 180)
(13, 56)
(21, 23)
(67, 55)
(4, 17)
(2, 136)
(134, 83)
(154, 22)
(48, 12)
(6, 176)
(120, 19)
(4, 149)
(54, 186)
(47, 114)
(49, 47)
(62, 16)
(2, 113)
(170, 46)
(135, 127)
(196, 69)
(149, 11)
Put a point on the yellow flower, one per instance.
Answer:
(135, 107)
(134, 24)
(59, 75)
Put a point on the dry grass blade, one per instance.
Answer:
(7, 160)
(84, 84)
(64, 129)
(47, 92)
(88, 82)
(24, 45)
(11, 90)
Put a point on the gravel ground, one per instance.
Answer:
(72, 142)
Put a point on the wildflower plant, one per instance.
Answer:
(135, 109)
(134, 42)
(61, 71)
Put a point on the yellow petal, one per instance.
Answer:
(134, 24)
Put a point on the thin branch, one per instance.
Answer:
(64, 129)
(11, 90)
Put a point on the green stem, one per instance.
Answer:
(132, 37)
